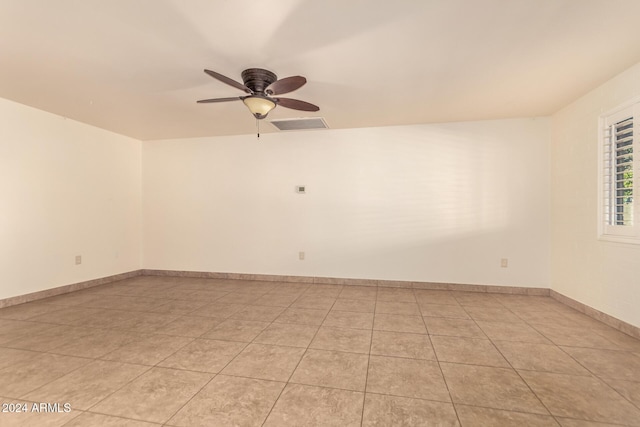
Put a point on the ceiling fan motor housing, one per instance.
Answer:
(261, 85)
(258, 79)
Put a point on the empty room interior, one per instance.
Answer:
(319, 213)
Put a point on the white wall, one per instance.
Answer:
(427, 202)
(603, 275)
(66, 189)
(439, 203)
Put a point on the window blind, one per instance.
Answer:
(618, 173)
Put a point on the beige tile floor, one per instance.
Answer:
(194, 352)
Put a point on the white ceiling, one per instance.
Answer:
(135, 67)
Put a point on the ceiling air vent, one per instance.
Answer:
(304, 123)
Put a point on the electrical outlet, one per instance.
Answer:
(301, 256)
(78, 259)
(504, 263)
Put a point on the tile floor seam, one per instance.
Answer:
(118, 416)
(111, 416)
(144, 364)
(399, 357)
(438, 362)
(52, 351)
(246, 344)
(405, 332)
(142, 419)
(275, 402)
(150, 367)
(600, 378)
(315, 385)
(587, 375)
(518, 373)
(114, 391)
(608, 423)
(55, 379)
(511, 410)
(188, 400)
(113, 328)
(120, 388)
(406, 397)
(533, 326)
(366, 378)
(416, 397)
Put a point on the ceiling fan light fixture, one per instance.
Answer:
(259, 106)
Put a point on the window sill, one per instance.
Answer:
(629, 240)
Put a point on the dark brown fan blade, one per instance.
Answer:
(227, 80)
(296, 104)
(286, 85)
(206, 101)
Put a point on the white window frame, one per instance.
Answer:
(609, 232)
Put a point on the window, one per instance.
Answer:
(619, 218)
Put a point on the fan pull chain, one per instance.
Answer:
(258, 128)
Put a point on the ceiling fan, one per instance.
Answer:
(262, 85)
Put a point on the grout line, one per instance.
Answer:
(366, 379)
(219, 371)
(444, 379)
(517, 411)
(120, 388)
(593, 374)
(275, 402)
(517, 373)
